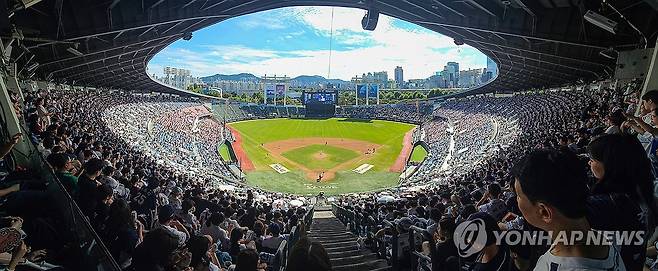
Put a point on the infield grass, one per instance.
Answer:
(307, 156)
(387, 134)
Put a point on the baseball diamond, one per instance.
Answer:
(321, 153)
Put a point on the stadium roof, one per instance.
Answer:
(536, 43)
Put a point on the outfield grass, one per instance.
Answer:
(388, 134)
(418, 154)
(334, 156)
(223, 152)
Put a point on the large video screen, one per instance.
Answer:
(320, 98)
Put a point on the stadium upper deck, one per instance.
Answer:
(538, 43)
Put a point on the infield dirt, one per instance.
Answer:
(364, 148)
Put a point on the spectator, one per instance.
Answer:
(622, 198)
(204, 255)
(168, 222)
(271, 242)
(121, 233)
(308, 255)
(492, 256)
(88, 186)
(63, 165)
(219, 235)
(552, 195)
(155, 252)
(445, 246)
(491, 203)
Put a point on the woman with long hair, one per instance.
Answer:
(235, 243)
(622, 194)
(308, 255)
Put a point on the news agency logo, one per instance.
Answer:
(470, 237)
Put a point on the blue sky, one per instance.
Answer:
(295, 41)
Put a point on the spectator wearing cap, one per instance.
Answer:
(552, 195)
(167, 221)
(650, 132)
(273, 240)
(492, 256)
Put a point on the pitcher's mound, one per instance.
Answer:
(320, 155)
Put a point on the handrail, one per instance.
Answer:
(105, 259)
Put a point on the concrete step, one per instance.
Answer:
(340, 249)
(319, 233)
(362, 266)
(339, 244)
(342, 254)
(336, 261)
(333, 239)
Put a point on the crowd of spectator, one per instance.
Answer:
(145, 172)
(411, 112)
(572, 160)
(122, 158)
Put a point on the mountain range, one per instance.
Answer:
(299, 81)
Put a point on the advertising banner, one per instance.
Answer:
(361, 90)
(269, 90)
(372, 91)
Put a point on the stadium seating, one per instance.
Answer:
(157, 155)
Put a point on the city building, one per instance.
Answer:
(178, 78)
(492, 67)
(451, 74)
(237, 86)
(379, 78)
(470, 78)
(399, 77)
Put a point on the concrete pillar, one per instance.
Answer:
(13, 123)
(651, 80)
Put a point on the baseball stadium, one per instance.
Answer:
(334, 155)
(267, 135)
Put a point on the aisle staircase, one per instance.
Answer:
(341, 245)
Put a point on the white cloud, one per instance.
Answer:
(254, 21)
(419, 51)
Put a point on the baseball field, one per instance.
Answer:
(337, 156)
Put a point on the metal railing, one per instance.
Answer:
(79, 233)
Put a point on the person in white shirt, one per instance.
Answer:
(551, 189)
(167, 221)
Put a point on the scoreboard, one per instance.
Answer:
(320, 103)
(320, 97)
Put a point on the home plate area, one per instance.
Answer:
(363, 168)
(279, 168)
